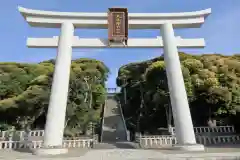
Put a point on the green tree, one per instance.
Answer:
(212, 84)
(25, 90)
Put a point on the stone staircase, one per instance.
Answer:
(114, 135)
(113, 129)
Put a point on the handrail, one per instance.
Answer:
(103, 113)
(124, 123)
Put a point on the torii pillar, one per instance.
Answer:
(55, 122)
(181, 113)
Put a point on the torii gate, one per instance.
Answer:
(68, 21)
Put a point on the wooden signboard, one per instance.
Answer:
(118, 25)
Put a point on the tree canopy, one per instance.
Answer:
(212, 83)
(25, 90)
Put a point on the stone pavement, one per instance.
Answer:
(223, 153)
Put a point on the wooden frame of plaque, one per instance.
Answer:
(118, 25)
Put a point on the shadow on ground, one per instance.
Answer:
(24, 150)
(124, 145)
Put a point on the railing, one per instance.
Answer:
(21, 134)
(37, 133)
(103, 114)
(77, 143)
(80, 143)
(111, 90)
(95, 138)
(163, 141)
(124, 123)
(211, 140)
(160, 141)
(217, 129)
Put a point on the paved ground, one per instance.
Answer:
(224, 153)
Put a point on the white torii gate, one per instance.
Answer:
(68, 21)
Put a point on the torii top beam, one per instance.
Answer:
(52, 19)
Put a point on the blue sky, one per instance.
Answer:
(221, 29)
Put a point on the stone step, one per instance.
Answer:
(122, 145)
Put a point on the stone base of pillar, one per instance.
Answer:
(190, 147)
(50, 151)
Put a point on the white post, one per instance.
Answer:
(54, 127)
(180, 107)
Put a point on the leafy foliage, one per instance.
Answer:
(212, 83)
(25, 90)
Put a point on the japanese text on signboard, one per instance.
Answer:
(118, 24)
